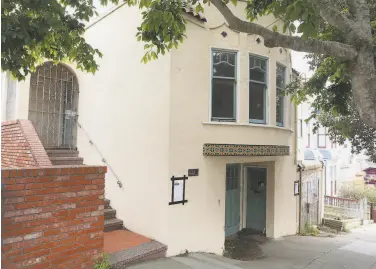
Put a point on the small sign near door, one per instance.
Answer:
(296, 188)
(192, 172)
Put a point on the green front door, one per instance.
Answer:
(256, 199)
(232, 219)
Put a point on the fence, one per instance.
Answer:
(346, 208)
(372, 211)
(310, 204)
(52, 217)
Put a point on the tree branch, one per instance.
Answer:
(355, 7)
(361, 29)
(352, 8)
(274, 39)
(333, 15)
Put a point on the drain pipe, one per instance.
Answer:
(300, 170)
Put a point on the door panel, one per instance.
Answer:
(256, 198)
(232, 208)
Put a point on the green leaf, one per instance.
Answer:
(285, 26)
(292, 28)
(234, 2)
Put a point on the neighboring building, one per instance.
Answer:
(307, 138)
(210, 105)
(370, 175)
(341, 165)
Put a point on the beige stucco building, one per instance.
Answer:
(210, 105)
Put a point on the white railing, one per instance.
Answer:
(348, 207)
(120, 184)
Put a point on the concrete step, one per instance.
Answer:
(145, 252)
(109, 213)
(67, 160)
(62, 153)
(207, 261)
(112, 225)
(107, 204)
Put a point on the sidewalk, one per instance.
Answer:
(356, 250)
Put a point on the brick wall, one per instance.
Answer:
(52, 217)
(20, 145)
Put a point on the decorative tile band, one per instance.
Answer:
(245, 150)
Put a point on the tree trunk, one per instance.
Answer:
(363, 82)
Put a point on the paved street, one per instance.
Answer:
(356, 250)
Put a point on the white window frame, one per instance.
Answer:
(266, 91)
(283, 105)
(318, 137)
(236, 92)
(300, 128)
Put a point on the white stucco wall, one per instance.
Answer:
(124, 108)
(4, 90)
(9, 97)
(199, 224)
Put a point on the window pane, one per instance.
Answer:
(280, 76)
(257, 75)
(223, 98)
(224, 64)
(257, 69)
(279, 107)
(321, 141)
(232, 177)
(257, 62)
(300, 128)
(257, 101)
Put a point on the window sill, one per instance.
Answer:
(247, 125)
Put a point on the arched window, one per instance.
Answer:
(53, 103)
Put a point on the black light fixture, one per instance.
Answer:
(224, 34)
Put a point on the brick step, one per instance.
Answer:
(62, 153)
(144, 252)
(109, 213)
(112, 225)
(67, 160)
(107, 204)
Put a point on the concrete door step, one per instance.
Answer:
(112, 224)
(145, 252)
(62, 153)
(67, 160)
(109, 213)
(125, 247)
(107, 204)
(198, 260)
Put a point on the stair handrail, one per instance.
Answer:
(91, 142)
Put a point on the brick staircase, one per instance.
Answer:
(70, 157)
(124, 247)
(64, 157)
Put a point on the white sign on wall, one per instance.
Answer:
(178, 190)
